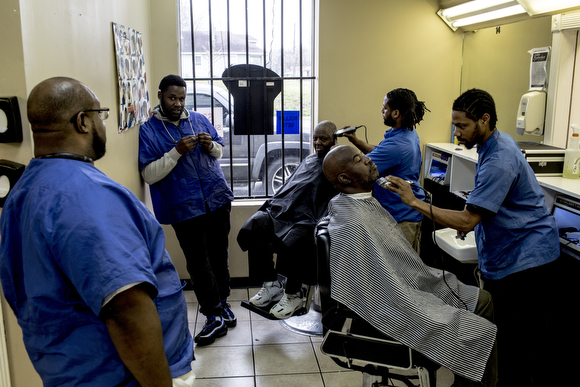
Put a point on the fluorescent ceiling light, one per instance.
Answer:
(478, 11)
(535, 7)
(474, 6)
(493, 15)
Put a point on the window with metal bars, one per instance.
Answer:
(249, 67)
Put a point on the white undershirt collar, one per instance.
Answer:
(360, 195)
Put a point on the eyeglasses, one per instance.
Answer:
(103, 112)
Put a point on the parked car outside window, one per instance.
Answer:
(254, 165)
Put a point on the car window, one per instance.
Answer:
(204, 101)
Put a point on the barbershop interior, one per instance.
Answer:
(333, 60)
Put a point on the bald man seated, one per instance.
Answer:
(376, 273)
(83, 262)
(285, 225)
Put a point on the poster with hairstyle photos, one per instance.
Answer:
(134, 105)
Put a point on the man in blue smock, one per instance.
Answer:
(517, 243)
(178, 158)
(399, 154)
(83, 263)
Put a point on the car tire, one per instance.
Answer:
(277, 174)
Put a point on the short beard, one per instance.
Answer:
(99, 144)
(389, 121)
(478, 134)
(365, 182)
(469, 145)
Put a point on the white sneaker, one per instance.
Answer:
(271, 291)
(289, 304)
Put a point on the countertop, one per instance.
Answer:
(570, 187)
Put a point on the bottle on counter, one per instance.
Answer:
(572, 155)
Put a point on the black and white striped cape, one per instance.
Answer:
(377, 274)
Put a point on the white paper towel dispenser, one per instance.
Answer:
(531, 113)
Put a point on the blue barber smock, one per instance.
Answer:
(517, 230)
(70, 237)
(399, 154)
(197, 178)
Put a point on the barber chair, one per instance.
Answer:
(354, 344)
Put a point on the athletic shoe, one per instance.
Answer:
(228, 316)
(289, 304)
(214, 327)
(271, 291)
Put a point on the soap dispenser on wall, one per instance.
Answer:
(572, 155)
(531, 112)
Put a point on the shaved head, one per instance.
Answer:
(62, 116)
(349, 170)
(54, 102)
(337, 160)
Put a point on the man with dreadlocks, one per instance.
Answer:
(517, 243)
(399, 154)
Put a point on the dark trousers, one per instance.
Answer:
(485, 309)
(297, 263)
(535, 337)
(295, 260)
(204, 241)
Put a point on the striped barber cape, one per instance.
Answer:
(376, 273)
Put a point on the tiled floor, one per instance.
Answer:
(261, 353)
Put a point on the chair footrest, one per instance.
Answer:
(380, 352)
(264, 311)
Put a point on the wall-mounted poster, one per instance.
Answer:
(134, 105)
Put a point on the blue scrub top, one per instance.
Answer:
(70, 237)
(196, 184)
(399, 154)
(517, 230)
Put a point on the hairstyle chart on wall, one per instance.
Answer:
(134, 105)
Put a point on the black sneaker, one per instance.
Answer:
(229, 318)
(214, 327)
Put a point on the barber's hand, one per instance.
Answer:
(350, 136)
(204, 139)
(402, 188)
(186, 144)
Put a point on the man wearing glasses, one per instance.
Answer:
(83, 262)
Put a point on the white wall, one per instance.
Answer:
(504, 72)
